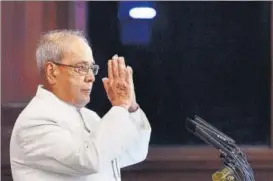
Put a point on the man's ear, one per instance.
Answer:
(51, 72)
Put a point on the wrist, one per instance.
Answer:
(122, 105)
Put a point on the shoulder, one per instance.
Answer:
(38, 112)
(40, 108)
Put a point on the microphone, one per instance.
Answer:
(236, 165)
(209, 135)
(219, 134)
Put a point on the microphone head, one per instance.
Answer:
(226, 174)
(211, 128)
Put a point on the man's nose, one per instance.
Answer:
(90, 77)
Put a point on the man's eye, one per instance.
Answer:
(82, 67)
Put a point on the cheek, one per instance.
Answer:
(75, 83)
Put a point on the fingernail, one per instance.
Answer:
(115, 56)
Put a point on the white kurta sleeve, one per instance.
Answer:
(48, 146)
(139, 149)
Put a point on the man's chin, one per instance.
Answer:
(83, 102)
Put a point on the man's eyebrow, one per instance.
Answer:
(86, 62)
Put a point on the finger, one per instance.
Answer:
(121, 67)
(115, 66)
(110, 70)
(130, 72)
(105, 82)
(115, 56)
(127, 75)
(131, 75)
(130, 69)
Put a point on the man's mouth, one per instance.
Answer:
(86, 91)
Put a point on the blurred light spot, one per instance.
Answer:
(142, 13)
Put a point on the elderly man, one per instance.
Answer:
(56, 138)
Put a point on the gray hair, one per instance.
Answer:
(53, 45)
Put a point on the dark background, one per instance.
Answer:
(211, 59)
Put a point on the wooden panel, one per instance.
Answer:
(33, 22)
(193, 175)
(271, 135)
(193, 164)
(9, 115)
(13, 51)
(23, 23)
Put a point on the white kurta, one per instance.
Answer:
(53, 141)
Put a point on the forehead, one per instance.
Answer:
(78, 51)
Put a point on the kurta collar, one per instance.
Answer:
(42, 93)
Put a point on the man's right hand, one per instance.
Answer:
(117, 85)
